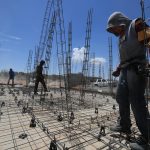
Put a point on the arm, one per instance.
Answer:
(116, 73)
(140, 25)
(142, 30)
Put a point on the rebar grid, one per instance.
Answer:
(84, 128)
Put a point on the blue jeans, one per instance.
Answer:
(130, 91)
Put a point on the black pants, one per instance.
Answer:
(12, 81)
(41, 80)
(130, 91)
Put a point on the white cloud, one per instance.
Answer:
(78, 54)
(12, 37)
(98, 60)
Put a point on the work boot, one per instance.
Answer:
(35, 93)
(118, 128)
(45, 90)
(139, 144)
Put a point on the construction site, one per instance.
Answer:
(76, 111)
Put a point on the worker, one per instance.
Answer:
(131, 86)
(11, 77)
(102, 129)
(40, 77)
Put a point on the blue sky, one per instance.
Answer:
(21, 24)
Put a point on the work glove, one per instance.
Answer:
(116, 73)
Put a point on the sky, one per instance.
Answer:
(21, 23)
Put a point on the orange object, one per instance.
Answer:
(144, 34)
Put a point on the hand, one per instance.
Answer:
(116, 73)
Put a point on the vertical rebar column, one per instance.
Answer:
(100, 70)
(86, 56)
(110, 65)
(68, 62)
(45, 29)
(68, 69)
(35, 63)
(89, 67)
(60, 39)
(93, 67)
(35, 58)
(103, 72)
(29, 63)
(61, 53)
(49, 43)
(93, 74)
(69, 46)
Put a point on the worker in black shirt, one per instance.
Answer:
(11, 76)
(40, 77)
